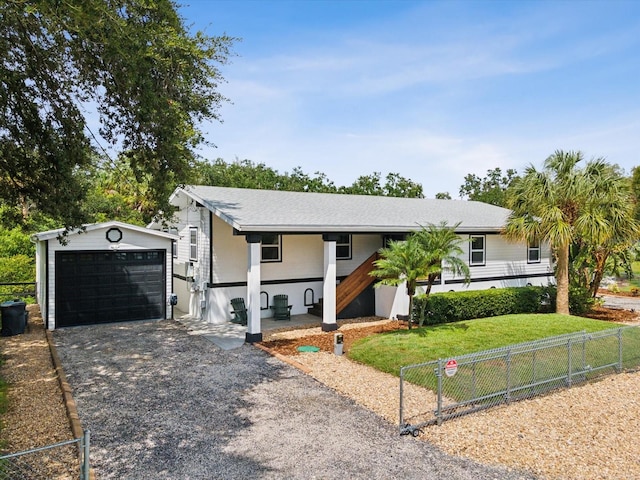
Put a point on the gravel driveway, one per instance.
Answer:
(161, 404)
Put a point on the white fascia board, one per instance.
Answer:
(48, 235)
(347, 229)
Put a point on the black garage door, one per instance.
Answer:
(108, 286)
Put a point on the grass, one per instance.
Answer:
(391, 350)
(625, 284)
(521, 373)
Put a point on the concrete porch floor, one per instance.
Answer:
(230, 335)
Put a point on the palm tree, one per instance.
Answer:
(563, 204)
(402, 261)
(425, 254)
(443, 252)
(595, 257)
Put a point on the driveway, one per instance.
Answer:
(627, 303)
(162, 404)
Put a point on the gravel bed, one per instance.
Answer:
(583, 433)
(162, 404)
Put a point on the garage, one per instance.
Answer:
(102, 287)
(109, 272)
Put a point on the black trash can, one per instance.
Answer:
(14, 317)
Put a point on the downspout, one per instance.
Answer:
(210, 247)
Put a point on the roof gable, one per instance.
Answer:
(50, 234)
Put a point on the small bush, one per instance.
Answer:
(613, 288)
(635, 291)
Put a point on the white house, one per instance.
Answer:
(106, 272)
(258, 243)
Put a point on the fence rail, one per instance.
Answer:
(472, 382)
(46, 462)
(12, 290)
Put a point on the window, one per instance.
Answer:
(174, 243)
(271, 247)
(193, 243)
(476, 250)
(343, 247)
(533, 253)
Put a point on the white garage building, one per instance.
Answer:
(106, 272)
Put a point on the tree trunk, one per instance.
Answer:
(562, 279)
(411, 291)
(601, 260)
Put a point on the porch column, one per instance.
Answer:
(329, 286)
(254, 333)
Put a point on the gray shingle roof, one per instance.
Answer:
(250, 210)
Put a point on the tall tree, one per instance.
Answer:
(151, 81)
(610, 249)
(490, 189)
(561, 204)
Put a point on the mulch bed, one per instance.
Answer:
(324, 341)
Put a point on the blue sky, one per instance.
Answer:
(431, 90)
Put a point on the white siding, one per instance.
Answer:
(503, 259)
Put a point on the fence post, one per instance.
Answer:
(584, 353)
(439, 376)
(569, 361)
(507, 397)
(85, 459)
(401, 398)
(619, 350)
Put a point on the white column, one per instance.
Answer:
(254, 333)
(329, 287)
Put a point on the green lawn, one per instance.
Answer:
(390, 351)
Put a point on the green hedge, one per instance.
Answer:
(454, 306)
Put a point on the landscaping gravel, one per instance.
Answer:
(161, 404)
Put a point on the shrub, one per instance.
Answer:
(19, 268)
(454, 306)
(580, 299)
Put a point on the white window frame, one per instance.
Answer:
(533, 247)
(271, 246)
(342, 244)
(193, 244)
(472, 250)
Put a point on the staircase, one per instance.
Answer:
(350, 287)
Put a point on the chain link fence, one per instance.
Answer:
(433, 392)
(47, 462)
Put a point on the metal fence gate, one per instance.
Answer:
(433, 392)
(39, 463)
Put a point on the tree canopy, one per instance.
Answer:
(491, 188)
(150, 80)
(248, 174)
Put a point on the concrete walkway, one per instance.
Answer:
(231, 335)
